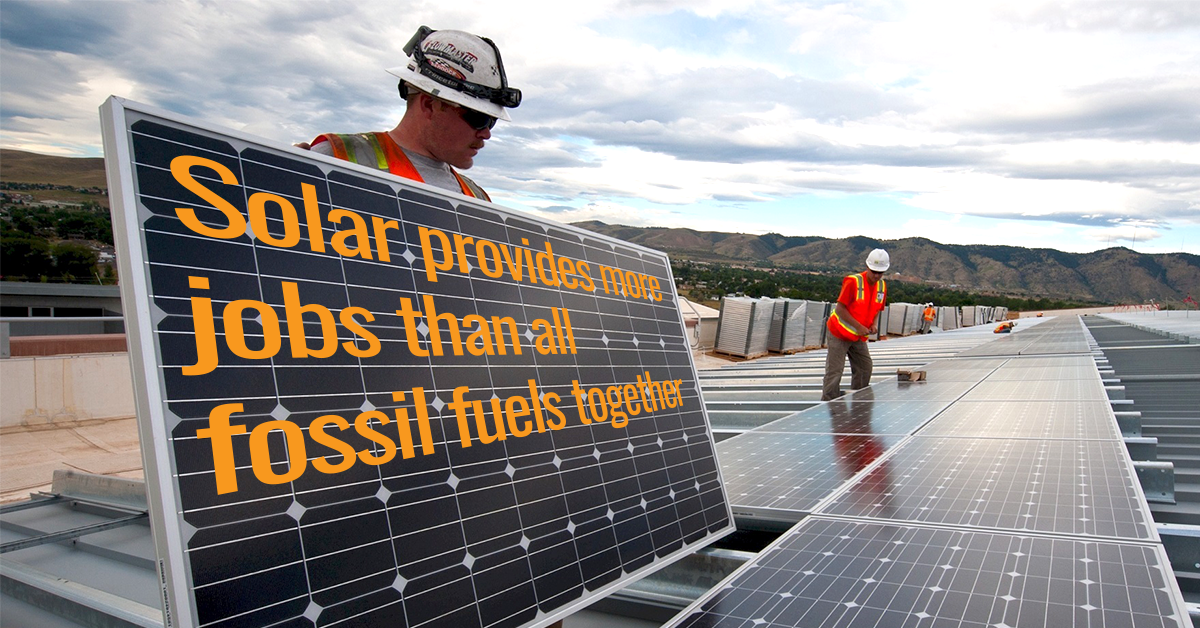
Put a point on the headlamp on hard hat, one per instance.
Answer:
(504, 95)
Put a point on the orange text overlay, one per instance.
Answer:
(485, 421)
(473, 334)
(366, 237)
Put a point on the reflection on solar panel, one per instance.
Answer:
(1063, 487)
(844, 574)
(1026, 419)
(504, 425)
(924, 391)
(781, 476)
(859, 417)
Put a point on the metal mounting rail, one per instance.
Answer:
(33, 503)
(73, 533)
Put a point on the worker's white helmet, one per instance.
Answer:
(878, 260)
(460, 68)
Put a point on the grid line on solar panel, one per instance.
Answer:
(1062, 487)
(1080, 420)
(956, 375)
(1063, 390)
(828, 573)
(502, 525)
(1021, 362)
(954, 364)
(1035, 373)
(792, 473)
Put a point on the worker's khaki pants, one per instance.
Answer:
(835, 365)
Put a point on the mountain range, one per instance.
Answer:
(1111, 276)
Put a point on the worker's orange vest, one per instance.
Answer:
(864, 309)
(378, 150)
(930, 313)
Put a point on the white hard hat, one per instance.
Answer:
(878, 260)
(460, 68)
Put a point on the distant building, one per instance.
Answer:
(39, 300)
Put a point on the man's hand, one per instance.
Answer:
(304, 145)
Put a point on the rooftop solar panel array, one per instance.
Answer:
(1012, 504)
(1076, 487)
(516, 444)
(829, 573)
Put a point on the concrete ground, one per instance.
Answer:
(29, 454)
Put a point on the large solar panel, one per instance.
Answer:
(1054, 486)
(828, 573)
(1026, 419)
(364, 401)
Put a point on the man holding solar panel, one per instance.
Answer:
(455, 88)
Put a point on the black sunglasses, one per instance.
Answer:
(475, 119)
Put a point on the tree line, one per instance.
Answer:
(39, 243)
(703, 282)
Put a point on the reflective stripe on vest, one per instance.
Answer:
(835, 321)
(378, 150)
(863, 309)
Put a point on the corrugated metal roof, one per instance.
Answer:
(1155, 358)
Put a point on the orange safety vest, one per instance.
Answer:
(930, 312)
(379, 150)
(863, 309)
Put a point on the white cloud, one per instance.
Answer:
(1047, 109)
(1129, 233)
(990, 195)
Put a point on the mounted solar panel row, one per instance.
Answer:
(364, 401)
(1070, 487)
(831, 573)
(1056, 336)
(1012, 503)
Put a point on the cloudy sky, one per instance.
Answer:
(1068, 124)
